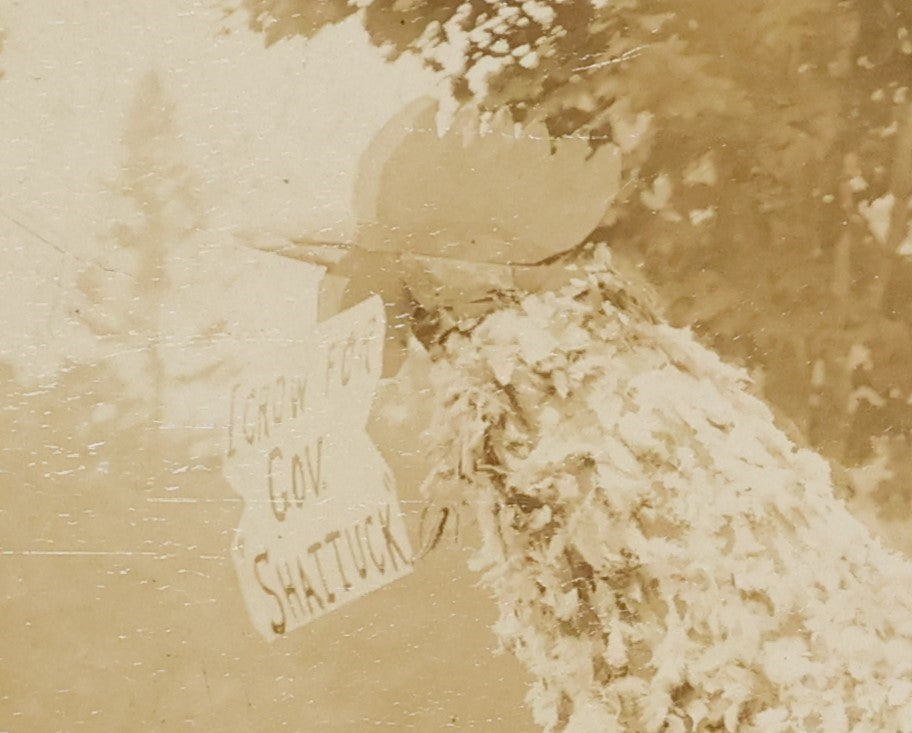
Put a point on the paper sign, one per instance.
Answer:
(321, 524)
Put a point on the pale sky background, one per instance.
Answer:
(249, 116)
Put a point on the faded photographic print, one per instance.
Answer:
(518, 365)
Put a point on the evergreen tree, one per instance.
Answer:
(127, 293)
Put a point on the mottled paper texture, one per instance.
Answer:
(505, 366)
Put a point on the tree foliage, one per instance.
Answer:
(766, 178)
(126, 292)
(664, 558)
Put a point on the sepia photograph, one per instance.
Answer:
(484, 365)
